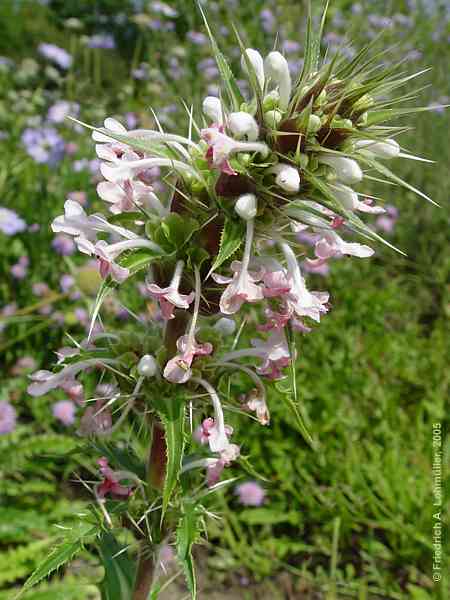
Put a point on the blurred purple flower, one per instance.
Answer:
(40, 289)
(55, 54)
(7, 417)
(78, 196)
(24, 364)
(20, 269)
(268, 21)
(63, 245)
(197, 37)
(10, 222)
(34, 228)
(64, 411)
(43, 144)
(163, 9)
(289, 46)
(102, 40)
(66, 282)
(58, 112)
(250, 493)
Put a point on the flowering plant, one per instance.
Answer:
(247, 183)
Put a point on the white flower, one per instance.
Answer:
(256, 61)
(382, 149)
(301, 301)
(147, 366)
(277, 69)
(242, 124)
(76, 222)
(287, 177)
(212, 107)
(246, 206)
(347, 170)
(331, 244)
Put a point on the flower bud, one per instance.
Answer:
(346, 196)
(384, 149)
(212, 108)
(242, 124)
(225, 326)
(314, 124)
(147, 366)
(246, 206)
(347, 170)
(276, 67)
(272, 118)
(256, 60)
(271, 100)
(287, 177)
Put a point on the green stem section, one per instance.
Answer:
(156, 468)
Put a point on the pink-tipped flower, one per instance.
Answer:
(331, 244)
(276, 284)
(250, 493)
(178, 369)
(221, 147)
(8, 417)
(300, 300)
(170, 298)
(276, 354)
(111, 481)
(96, 420)
(64, 411)
(255, 401)
(242, 287)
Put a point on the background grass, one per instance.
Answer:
(354, 518)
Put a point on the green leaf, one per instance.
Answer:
(232, 236)
(174, 231)
(139, 259)
(118, 581)
(171, 413)
(226, 74)
(187, 533)
(126, 218)
(61, 555)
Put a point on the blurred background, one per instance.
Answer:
(354, 518)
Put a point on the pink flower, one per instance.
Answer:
(214, 470)
(300, 300)
(209, 433)
(331, 244)
(96, 420)
(178, 369)
(8, 417)
(276, 320)
(170, 298)
(276, 354)
(110, 483)
(250, 493)
(241, 288)
(276, 284)
(255, 401)
(64, 411)
(221, 147)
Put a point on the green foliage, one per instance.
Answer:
(187, 534)
(119, 569)
(230, 240)
(172, 415)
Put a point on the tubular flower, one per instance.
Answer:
(170, 298)
(270, 180)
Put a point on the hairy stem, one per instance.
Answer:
(156, 468)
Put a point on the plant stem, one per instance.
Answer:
(144, 575)
(156, 469)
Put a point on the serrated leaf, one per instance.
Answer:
(171, 413)
(187, 533)
(118, 581)
(60, 555)
(233, 234)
